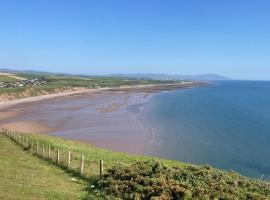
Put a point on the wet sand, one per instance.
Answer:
(99, 118)
(107, 118)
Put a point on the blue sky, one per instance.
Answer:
(227, 37)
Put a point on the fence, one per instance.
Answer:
(71, 161)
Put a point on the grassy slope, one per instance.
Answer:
(92, 154)
(44, 180)
(24, 176)
(7, 78)
(59, 82)
(195, 177)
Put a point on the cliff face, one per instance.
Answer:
(30, 92)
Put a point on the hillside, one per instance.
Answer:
(137, 177)
(24, 176)
(21, 85)
(153, 76)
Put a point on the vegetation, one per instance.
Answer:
(24, 176)
(7, 78)
(61, 82)
(139, 177)
(92, 154)
(154, 180)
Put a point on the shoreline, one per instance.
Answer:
(112, 126)
(136, 88)
(100, 117)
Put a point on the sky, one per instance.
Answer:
(226, 37)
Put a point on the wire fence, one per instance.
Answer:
(72, 161)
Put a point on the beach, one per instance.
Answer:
(109, 118)
(99, 118)
(181, 125)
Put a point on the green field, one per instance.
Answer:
(24, 176)
(92, 154)
(61, 82)
(125, 176)
(7, 78)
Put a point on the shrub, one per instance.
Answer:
(154, 181)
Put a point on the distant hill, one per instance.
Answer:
(152, 76)
(34, 72)
(209, 77)
(202, 77)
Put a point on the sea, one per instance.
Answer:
(224, 124)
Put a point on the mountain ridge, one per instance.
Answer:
(157, 76)
(153, 76)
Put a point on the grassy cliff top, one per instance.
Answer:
(24, 176)
(61, 83)
(140, 177)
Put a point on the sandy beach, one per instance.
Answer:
(100, 117)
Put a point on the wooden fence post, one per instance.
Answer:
(19, 140)
(82, 164)
(58, 157)
(26, 143)
(68, 165)
(37, 148)
(49, 151)
(100, 168)
(32, 145)
(43, 149)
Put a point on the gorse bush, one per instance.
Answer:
(152, 180)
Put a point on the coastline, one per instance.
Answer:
(99, 117)
(124, 88)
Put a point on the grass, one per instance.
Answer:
(61, 82)
(7, 78)
(36, 178)
(128, 176)
(92, 154)
(24, 176)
